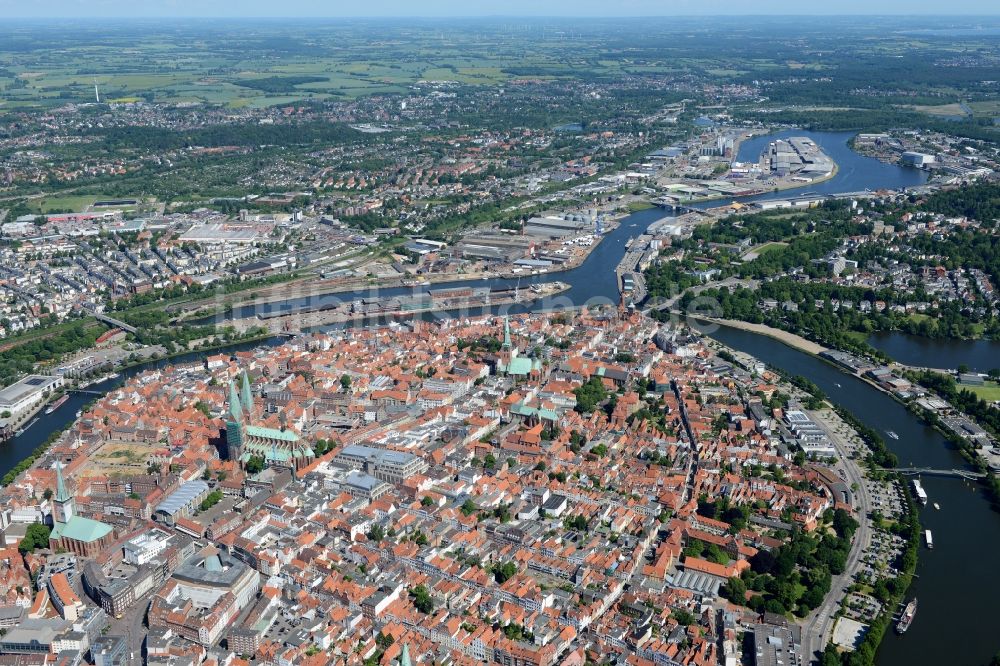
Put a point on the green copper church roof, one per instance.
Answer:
(519, 366)
(81, 529)
(272, 433)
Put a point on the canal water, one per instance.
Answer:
(958, 593)
(957, 586)
(979, 355)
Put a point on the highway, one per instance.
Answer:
(818, 625)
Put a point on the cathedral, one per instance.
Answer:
(246, 440)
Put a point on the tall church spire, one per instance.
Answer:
(62, 495)
(246, 395)
(64, 505)
(404, 658)
(235, 409)
(506, 333)
(234, 425)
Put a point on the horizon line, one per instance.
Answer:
(92, 17)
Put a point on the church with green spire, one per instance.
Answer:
(510, 363)
(75, 534)
(246, 440)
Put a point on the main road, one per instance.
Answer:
(818, 627)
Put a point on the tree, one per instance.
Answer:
(36, 536)
(490, 461)
(469, 507)
(684, 618)
(47, 494)
(590, 395)
(735, 590)
(376, 533)
(504, 572)
(255, 465)
(427, 501)
(211, 500)
(345, 382)
(422, 599)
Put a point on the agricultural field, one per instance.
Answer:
(246, 64)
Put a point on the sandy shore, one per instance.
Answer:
(790, 339)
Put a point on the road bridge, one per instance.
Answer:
(110, 320)
(915, 471)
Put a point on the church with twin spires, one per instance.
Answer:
(245, 439)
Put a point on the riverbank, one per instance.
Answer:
(784, 185)
(849, 437)
(306, 289)
(942, 576)
(791, 339)
(345, 313)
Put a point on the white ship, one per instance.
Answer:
(920, 492)
(929, 538)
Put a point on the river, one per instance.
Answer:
(855, 173)
(957, 584)
(946, 354)
(949, 575)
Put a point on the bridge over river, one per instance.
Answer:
(915, 471)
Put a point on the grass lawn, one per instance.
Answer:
(770, 247)
(989, 392)
(74, 202)
(636, 206)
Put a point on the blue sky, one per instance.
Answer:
(310, 8)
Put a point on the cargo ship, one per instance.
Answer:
(929, 539)
(906, 619)
(57, 404)
(920, 492)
